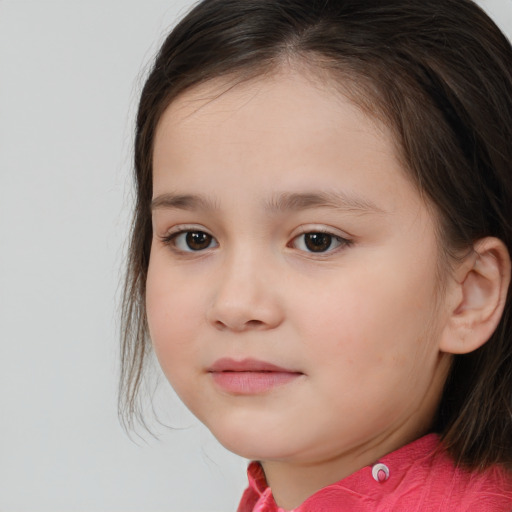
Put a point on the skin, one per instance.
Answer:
(361, 322)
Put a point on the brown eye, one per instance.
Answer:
(198, 240)
(318, 242)
(191, 241)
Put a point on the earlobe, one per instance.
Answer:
(480, 290)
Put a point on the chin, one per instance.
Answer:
(254, 443)
(259, 450)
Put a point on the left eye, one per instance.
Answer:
(193, 241)
(318, 242)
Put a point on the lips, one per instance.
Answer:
(250, 376)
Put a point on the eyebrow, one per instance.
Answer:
(321, 199)
(287, 201)
(183, 202)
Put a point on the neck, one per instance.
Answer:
(293, 481)
(292, 484)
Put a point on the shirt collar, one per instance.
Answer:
(363, 486)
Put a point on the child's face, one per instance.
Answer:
(303, 246)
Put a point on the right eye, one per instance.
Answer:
(191, 241)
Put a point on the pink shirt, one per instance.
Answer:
(418, 477)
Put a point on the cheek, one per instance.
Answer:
(173, 314)
(377, 319)
(369, 344)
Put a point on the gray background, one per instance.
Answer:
(70, 74)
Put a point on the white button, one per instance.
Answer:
(380, 472)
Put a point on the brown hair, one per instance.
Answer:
(439, 72)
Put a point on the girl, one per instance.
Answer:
(320, 253)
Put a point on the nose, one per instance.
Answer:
(246, 296)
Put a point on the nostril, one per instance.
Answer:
(249, 325)
(254, 323)
(220, 325)
(243, 312)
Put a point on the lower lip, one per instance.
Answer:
(251, 383)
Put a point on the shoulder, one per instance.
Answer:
(434, 483)
(419, 477)
(473, 491)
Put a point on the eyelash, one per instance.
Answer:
(172, 239)
(341, 241)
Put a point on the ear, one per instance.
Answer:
(476, 297)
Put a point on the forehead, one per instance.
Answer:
(290, 102)
(286, 122)
(297, 85)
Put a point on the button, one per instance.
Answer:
(380, 472)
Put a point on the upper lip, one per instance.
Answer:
(227, 364)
